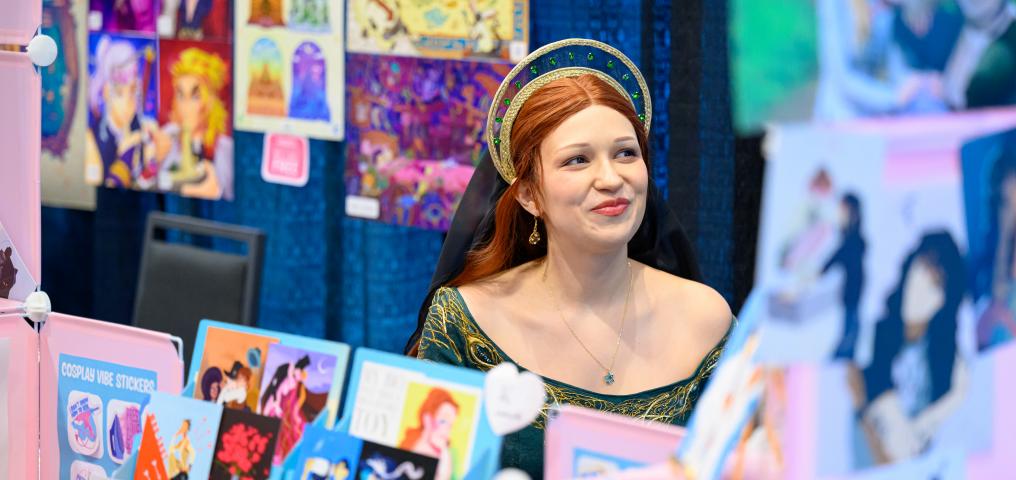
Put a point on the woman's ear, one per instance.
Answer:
(527, 198)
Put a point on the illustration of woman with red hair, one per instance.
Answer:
(432, 435)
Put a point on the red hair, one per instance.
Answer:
(543, 112)
(431, 404)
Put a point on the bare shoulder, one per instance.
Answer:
(498, 296)
(702, 309)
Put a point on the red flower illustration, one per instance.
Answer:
(241, 448)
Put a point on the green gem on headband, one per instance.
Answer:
(563, 59)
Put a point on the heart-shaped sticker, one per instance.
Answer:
(513, 399)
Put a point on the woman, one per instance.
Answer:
(432, 435)
(211, 384)
(916, 377)
(849, 256)
(578, 258)
(284, 399)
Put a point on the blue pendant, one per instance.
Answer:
(609, 378)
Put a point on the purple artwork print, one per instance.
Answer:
(295, 390)
(415, 133)
(309, 99)
(126, 15)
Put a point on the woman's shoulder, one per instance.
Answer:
(702, 309)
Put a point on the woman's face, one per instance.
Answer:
(213, 391)
(923, 295)
(187, 102)
(594, 180)
(441, 424)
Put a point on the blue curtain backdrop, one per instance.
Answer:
(326, 275)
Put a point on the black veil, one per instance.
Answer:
(660, 241)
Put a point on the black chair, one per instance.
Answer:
(180, 284)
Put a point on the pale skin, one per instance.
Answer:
(671, 323)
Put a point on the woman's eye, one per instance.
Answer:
(628, 152)
(575, 160)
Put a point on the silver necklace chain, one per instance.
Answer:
(608, 378)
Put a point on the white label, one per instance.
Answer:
(363, 207)
(165, 26)
(95, 21)
(517, 50)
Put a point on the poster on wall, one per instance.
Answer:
(196, 20)
(123, 15)
(64, 114)
(832, 60)
(99, 407)
(290, 67)
(414, 135)
(120, 151)
(457, 29)
(195, 114)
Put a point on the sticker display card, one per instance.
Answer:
(99, 414)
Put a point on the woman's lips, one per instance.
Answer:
(612, 208)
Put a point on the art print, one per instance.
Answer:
(459, 29)
(403, 409)
(294, 389)
(123, 141)
(231, 368)
(290, 67)
(195, 141)
(245, 446)
(64, 112)
(415, 134)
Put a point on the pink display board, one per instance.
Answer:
(103, 342)
(19, 396)
(18, 23)
(20, 136)
(580, 441)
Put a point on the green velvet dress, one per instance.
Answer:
(452, 336)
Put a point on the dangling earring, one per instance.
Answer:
(534, 237)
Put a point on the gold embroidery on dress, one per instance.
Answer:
(448, 320)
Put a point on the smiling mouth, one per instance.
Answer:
(612, 208)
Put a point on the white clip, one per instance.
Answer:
(42, 50)
(38, 307)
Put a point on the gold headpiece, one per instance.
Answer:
(562, 59)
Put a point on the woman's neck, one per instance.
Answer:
(578, 277)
